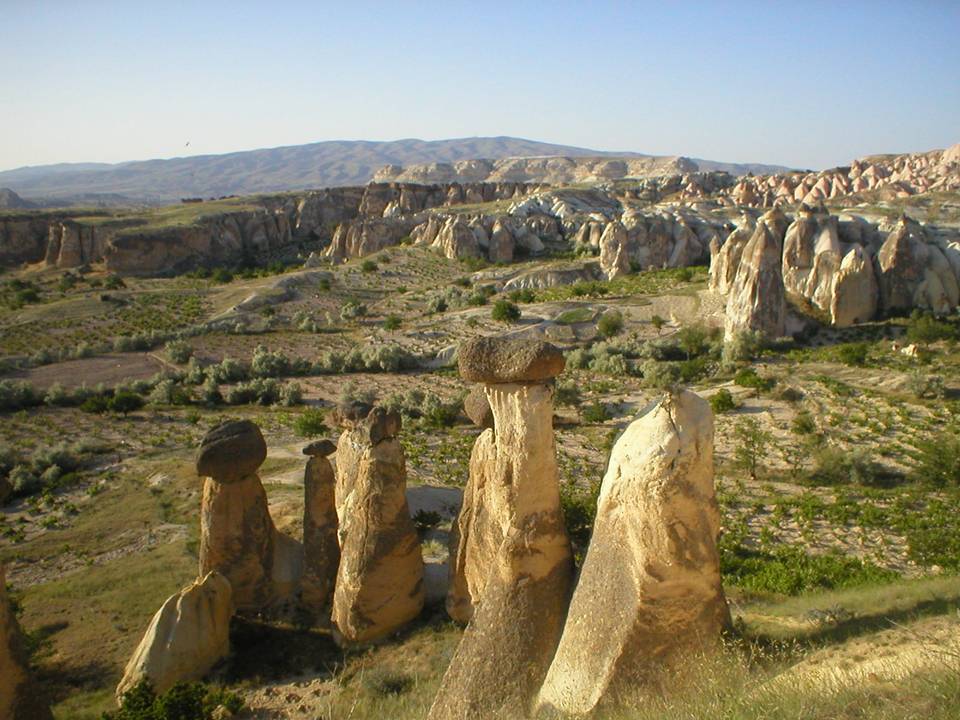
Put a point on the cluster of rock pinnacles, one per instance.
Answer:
(648, 593)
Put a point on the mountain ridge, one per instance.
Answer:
(292, 167)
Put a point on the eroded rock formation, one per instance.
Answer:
(187, 637)
(20, 696)
(511, 563)
(914, 272)
(756, 300)
(321, 548)
(649, 591)
(379, 586)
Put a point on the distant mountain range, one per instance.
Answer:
(296, 167)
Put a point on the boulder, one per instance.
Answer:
(757, 301)
(379, 586)
(511, 564)
(477, 408)
(495, 359)
(231, 451)
(649, 591)
(21, 698)
(187, 637)
(321, 547)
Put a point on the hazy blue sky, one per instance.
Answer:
(800, 83)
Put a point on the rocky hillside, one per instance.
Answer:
(9, 200)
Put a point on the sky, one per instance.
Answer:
(808, 85)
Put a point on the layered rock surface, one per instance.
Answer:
(187, 637)
(511, 563)
(379, 586)
(650, 590)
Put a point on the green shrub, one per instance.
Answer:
(925, 329)
(722, 401)
(579, 506)
(436, 413)
(658, 323)
(926, 386)
(221, 275)
(742, 346)
(392, 322)
(352, 309)
(834, 466)
(310, 423)
(522, 296)
(18, 395)
(748, 378)
(368, 266)
(505, 311)
(114, 282)
(752, 443)
(937, 460)
(96, 404)
(476, 299)
(804, 424)
(184, 701)
(596, 412)
(693, 339)
(437, 305)
(661, 375)
(178, 351)
(125, 402)
(266, 363)
(789, 570)
(568, 394)
(383, 683)
(610, 324)
(853, 354)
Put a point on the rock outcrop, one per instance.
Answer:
(379, 586)
(20, 696)
(477, 408)
(914, 272)
(237, 535)
(649, 591)
(321, 547)
(186, 639)
(511, 564)
(756, 301)
(854, 296)
(725, 259)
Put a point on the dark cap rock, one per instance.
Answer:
(383, 425)
(320, 448)
(508, 360)
(477, 408)
(231, 451)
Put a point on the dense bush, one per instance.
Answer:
(368, 266)
(524, 295)
(661, 375)
(579, 506)
(352, 309)
(184, 701)
(748, 378)
(742, 346)
(227, 371)
(835, 466)
(596, 412)
(17, 395)
(937, 460)
(610, 324)
(505, 311)
(924, 328)
(722, 401)
(926, 386)
(125, 402)
(853, 354)
(45, 469)
(178, 351)
(788, 570)
(392, 322)
(310, 423)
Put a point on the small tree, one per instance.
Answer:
(658, 323)
(610, 324)
(392, 322)
(752, 444)
(505, 311)
(125, 402)
(693, 340)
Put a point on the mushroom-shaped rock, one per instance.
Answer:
(649, 591)
(320, 448)
(237, 535)
(187, 637)
(321, 548)
(20, 696)
(477, 408)
(496, 359)
(510, 562)
(231, 451)
(379, 586)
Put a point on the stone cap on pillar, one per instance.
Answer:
(320, 448)
(231, 451)
(498, 359)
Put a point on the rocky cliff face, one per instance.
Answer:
(552, 170)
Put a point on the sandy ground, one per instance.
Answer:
(107, 369)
